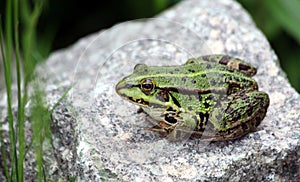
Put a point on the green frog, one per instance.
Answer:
(212, 98)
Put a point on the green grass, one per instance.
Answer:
(19, 45)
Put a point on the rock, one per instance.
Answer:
(99, 136)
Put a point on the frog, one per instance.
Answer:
(212, 98)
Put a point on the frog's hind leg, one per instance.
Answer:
(241, 115)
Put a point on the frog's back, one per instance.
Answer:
(191, 76)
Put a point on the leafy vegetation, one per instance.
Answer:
(18, 50)
(280, 20)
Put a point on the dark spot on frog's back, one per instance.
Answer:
(193, 81)
(228, 78)
(210, 97)
(221, 75)
(224, 60)
(191, 70)
(183, 79)
(250, 110)
(212, 82)
(238, 79)
(206, 105)
(244, 126)
(236, 117)
(229, 110)
(208, 66)
(199, 97)
(244, 67)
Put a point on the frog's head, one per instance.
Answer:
(141, 88)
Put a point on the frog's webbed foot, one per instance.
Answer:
(160, 127)
(162, 131)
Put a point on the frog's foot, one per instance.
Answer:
(171, 132)
(241, 116)
(159, 129)
(159, 126)
(183, 129)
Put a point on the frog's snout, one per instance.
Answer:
(119, 86)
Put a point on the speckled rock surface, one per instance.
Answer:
(109, 142)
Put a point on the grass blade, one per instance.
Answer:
(7, 59)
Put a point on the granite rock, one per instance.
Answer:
(99, 136)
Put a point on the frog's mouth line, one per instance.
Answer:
(139, 101)
(142, 102)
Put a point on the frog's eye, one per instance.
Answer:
(147, 86)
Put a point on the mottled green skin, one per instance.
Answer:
(211, 97)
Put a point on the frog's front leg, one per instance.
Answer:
(239, 115)
(181, 130)
(231, 63)
(159, 126)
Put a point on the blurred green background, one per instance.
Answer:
(64, 22)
